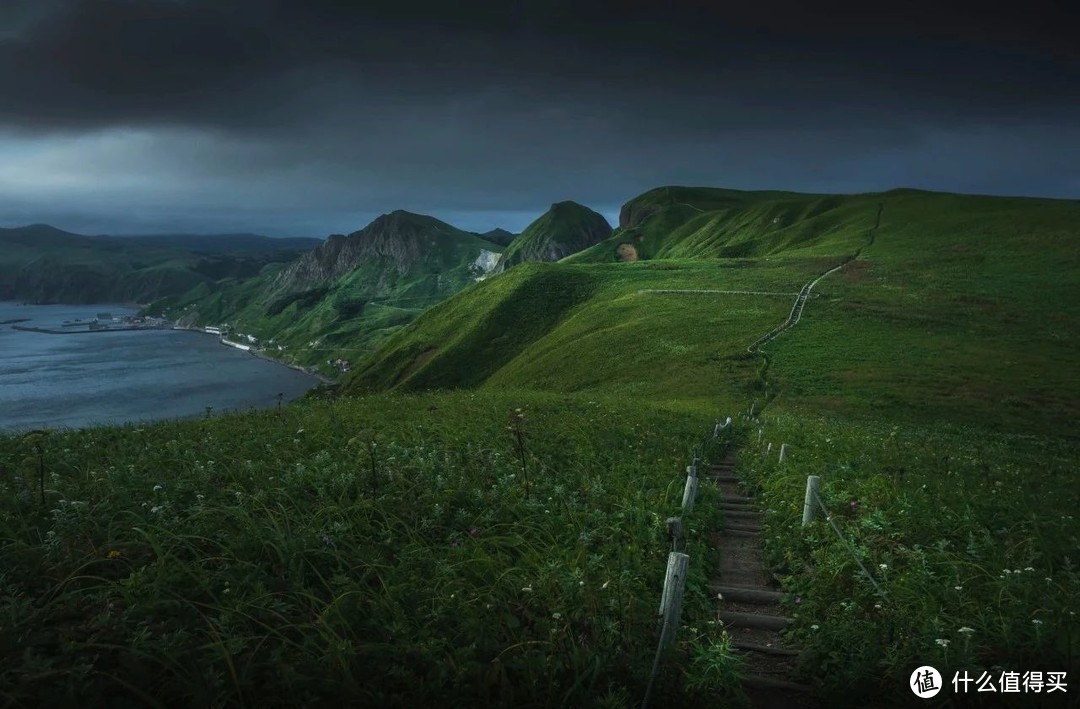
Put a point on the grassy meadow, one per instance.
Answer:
(411, 527)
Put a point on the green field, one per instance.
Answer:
(933, 383)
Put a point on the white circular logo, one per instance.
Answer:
(925, 682)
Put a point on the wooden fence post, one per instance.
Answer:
(675, 532)
(809, 510)
(671, 600)
(769, 449)
(783, 452)
(689, 492)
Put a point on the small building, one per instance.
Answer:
(211, 330)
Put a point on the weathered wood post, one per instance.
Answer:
(689, 492)
(671, 600)
(809, 510)
(783, 452)
(769, 449)
(675, 532)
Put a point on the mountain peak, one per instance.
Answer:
(566, 228)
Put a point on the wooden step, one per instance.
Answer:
(758, 682)
(763, 649)
(736, 508)
(739, 532)
(742, 515)
(736, 619)
(747, 594)
(737, 500)
(727, 479)
(736, 527)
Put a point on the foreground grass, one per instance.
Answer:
(971, 536)
(391, 550)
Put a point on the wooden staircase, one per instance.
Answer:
(750, 601)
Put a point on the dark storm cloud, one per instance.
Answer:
(316, 116)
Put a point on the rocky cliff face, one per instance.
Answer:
(400, 240)
(566, 228)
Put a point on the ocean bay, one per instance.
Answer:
(91, 378)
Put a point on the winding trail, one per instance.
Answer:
(800, 300)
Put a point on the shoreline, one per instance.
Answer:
(257, 353)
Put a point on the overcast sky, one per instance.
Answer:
(308, 118)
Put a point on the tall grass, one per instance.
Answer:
(384, 550)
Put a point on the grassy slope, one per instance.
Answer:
(387, 552)
(980, 292)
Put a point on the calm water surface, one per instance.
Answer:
(85, 379)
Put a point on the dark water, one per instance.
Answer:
(115, 377)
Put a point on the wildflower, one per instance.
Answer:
(527, 589)
(580, 583)
(473, 532)
(159, 488)
(1036, 622)
(114, 554)
(719, 596)
(813, 627)
(605, 585)
(1048, 579)
(1006, 571)
(1029, 568)
(798, 600)
(557, 616)
(883, 567)
(155, 509)
(958, 588)
(966, 630)
(942, 642)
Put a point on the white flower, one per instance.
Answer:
(1048, 579)
(1036, 622)
(605, 585)
(813, 627)
(1006, 571)
(158, 488)
(958, 588)
(1029, 568)
(527, 589)
(155, 509)
(884, 567)
(942, 642)
(719, 596)
(580, 583)
(966, 630)
(557, 616)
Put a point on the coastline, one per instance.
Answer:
(257, 353)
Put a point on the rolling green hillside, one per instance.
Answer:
(42, 264)
(978, 294)
(566, 228)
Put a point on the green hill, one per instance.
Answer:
(566, 228)
(946, 277)
(42, 264)
(342, 298)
